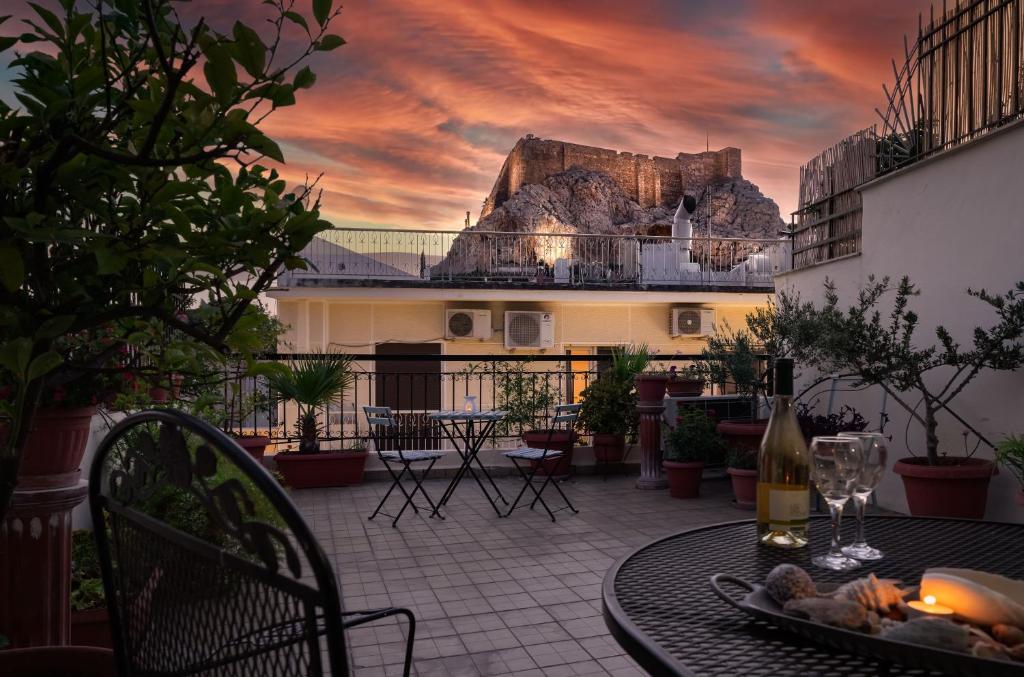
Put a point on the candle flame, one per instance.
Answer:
(929, 600)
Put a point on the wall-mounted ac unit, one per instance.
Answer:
(467, 324)
(529, 329)
(692, 322)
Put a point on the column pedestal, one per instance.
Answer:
(35, 564)
(651, 474)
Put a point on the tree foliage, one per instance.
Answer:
(133, 178)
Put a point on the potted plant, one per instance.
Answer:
(741, 466)
(688, 447)
(609, 404)
(90, 625)
(872, 349)
(313, 384)
(687, 383)
(1010, 453)
(814, 425)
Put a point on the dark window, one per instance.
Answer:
(409, 385)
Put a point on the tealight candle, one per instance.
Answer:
(928, 607)
(469, 404)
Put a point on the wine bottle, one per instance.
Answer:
(783, 499)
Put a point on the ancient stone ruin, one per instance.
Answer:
(548, 186)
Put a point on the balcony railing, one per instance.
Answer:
(346, 256)
(528, 387)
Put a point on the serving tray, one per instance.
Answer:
(759, 604)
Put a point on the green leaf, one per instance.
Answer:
(321, 10)
(220, 73)
(304, 79)
(109, 262)
(7, 42)
(250, 51)
(297, 18)
(55, 326)
(12, 268)
(49, 17)
(15, 355)
(329, 42)
(267, 147)
(43, 364)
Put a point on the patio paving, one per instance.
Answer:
(515, 596)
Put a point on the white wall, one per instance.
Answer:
(952, 222)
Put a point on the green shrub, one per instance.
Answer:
(693, 439)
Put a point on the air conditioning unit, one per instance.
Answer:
(529, 329)
(467, 324)
(692, 322)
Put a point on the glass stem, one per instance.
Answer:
(862, 503)
(836, 511)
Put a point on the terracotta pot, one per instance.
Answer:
(561, 440)
(609, 448)
(54, 448)
(650, 387)
(159, 394)
(91, 627)
(744, 487)
(325, 469)
(684, 387)
(683, 478)
(254, 444)
(742, 435)
(67, 661)
(957, 487)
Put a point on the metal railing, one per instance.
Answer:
(528, 387)
(424, 257)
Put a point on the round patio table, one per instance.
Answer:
(659, 605)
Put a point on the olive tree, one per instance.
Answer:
(134, 177)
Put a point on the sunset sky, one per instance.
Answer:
(410, 121)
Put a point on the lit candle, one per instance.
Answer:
(928, 607)
(469, 404)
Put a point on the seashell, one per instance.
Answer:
(976, 596)
(877, 594)
(840, 613)
(1010, 635)
(934, 632)
(990, 650)
(788, 581)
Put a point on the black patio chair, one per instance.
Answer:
(208, 567)
(387, 440)
(563, 420)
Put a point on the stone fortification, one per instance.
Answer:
(647, 181)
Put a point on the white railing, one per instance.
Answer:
(350, 255)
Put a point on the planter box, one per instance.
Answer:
(91, 628)
(683, 478)
(684, 387)
(326, 469)
(955, 488)
(254, 445)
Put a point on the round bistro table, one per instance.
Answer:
(659, 605)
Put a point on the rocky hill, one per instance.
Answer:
(583, 201)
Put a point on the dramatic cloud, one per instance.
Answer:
(410, 121)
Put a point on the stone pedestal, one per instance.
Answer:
(651, 474)
(35, 564)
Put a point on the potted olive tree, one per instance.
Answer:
(877, 348)
(688, 448)
(314, 384)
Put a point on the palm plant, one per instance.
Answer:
(628, 361)
(312, 384)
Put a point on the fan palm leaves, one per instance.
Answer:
(315, 382)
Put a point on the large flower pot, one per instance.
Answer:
(684, 387)
(54, 447)
(325, 469)
(91, 627)
(561, 440)
(683, 478)
(67, 661)
(255, 445)
(650, 387)
(742, 435)
(609, 448)
(744, 487)
(957, 487)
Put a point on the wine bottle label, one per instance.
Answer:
(782, 506)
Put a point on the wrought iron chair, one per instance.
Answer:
(385, 432)
(563, 420)
(208, 567)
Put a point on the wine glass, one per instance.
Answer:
(875, 455)
(835, 465)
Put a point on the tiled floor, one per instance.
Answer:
(492, 596)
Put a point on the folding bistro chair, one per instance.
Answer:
(385, 433)
(208, 567)
(564, 419)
